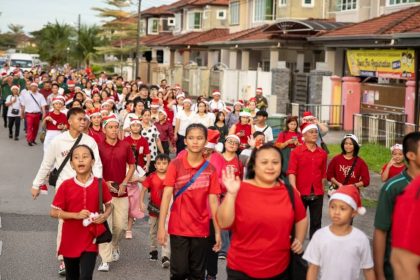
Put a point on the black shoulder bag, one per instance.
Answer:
(298, 267)
(105, 237)
(333, 187)
(52, 180)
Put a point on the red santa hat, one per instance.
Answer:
(57, 100)
(239, 102)
(180, 95)
(352, 136)
(396, 147)
(187, 100)
(213, 136)
(105, 103)
(304, 127)
(253, 99)
(16, 71)
(33, 84)
(163, 112)
(216, 92)
(350, 195)
(87, 100)
(71, 83)
(307, 116)
(155, 103)
(177, 86)
(233, 136)
(109, 119)
(258, 90)
(94, 112)
(14, 87)
(134, 120)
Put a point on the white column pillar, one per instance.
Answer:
(245, 60)
(212, 58)
(233, 57)
(300, 60)
(274, 58)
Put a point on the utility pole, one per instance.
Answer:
(138, 40)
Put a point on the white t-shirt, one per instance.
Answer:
(14, 105)
(32, 106)
(216, 105)
(339, 257)
(57, 152)
(205, 120)
(268, 132)
(176, 109)
(184, 121)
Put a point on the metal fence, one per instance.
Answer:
(333, 115)
(376, 129)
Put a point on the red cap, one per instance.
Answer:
(213, 136)
(350, 195)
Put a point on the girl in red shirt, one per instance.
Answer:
(341, 164)
(261, 217)
(288, 139)
(76, 199)
(189, 216)
(55, 122)
(95, 129)
(243, 129)
(396, 165)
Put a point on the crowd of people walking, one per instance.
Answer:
(219, 184)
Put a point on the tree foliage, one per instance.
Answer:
(88, 40)
(53, 41)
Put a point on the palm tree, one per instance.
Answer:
(15, 29)
(53, 41)
(87, 42)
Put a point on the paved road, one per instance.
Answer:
(28, 233)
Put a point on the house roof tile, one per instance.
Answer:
(191, 38)
(407, 20)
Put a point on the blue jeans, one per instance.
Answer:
(225, 242)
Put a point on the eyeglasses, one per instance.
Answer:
(232, 142)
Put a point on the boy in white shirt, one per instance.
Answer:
(340, 251)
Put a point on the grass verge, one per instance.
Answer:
(375, 156)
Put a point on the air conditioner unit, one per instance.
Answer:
(171, 22)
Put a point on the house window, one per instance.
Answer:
(221, 14)
(194, 20)
(346, 5)
(263, 10)
(234, 13)
(398, 2)
(153, 26)
(308, 3)
(282, 2)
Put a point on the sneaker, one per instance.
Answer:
(165, 262)
(104, 267)
(208, 277)
(115, 255)
(30, 144)
(43, 189)
(16, 138)
(222, 257)
(153, 255)
(62, 269)
(128, 234)
(35, 143)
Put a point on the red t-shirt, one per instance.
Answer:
(169, 112)
(72, 197)
(155, 186)
(287, 135)
(58, 119)
(339, 167)
(190, 216)
(246, 128)
(236, 164)
(97, 135)
(393, 170)
(260, 245)
(309, 168)
(405, 221)
(141, 146)
(114, 161)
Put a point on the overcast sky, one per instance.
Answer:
(34, 14)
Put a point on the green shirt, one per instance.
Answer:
(5, 91)
(19, 82)
(383, 218)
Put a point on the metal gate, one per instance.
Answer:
(300, 85)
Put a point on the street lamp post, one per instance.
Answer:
(138, 40)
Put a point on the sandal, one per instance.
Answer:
(128, 234)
